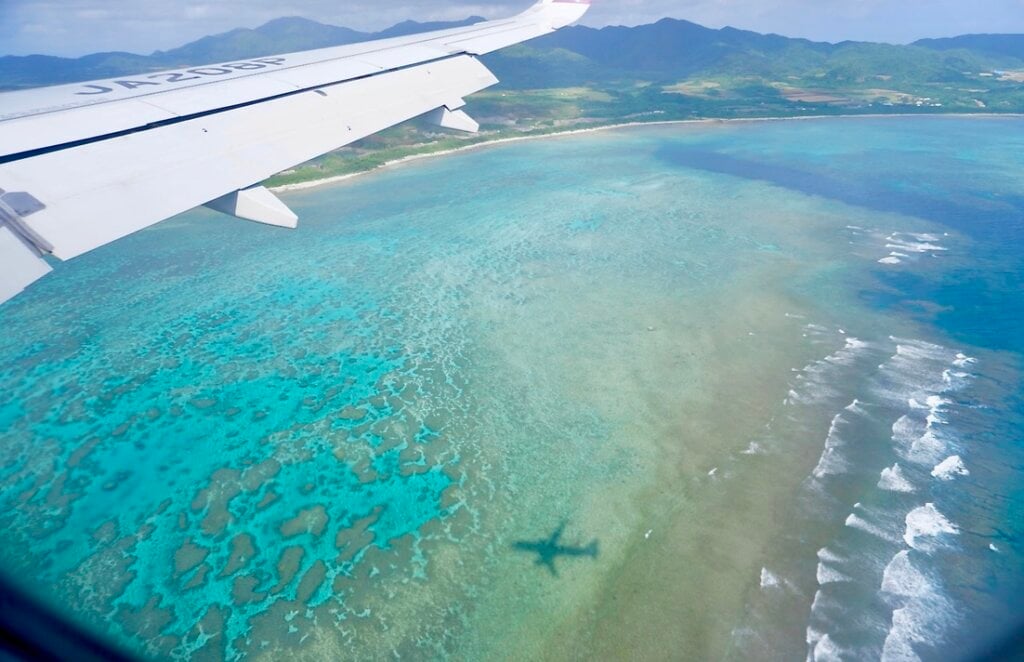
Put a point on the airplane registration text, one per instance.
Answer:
(166, 77)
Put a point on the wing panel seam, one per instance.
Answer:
(20, 156)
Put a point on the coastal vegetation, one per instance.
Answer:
(582, 77)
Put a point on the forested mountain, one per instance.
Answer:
(669, 49)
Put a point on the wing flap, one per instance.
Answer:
(21, 262)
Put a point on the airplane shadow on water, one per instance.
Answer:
(549, 549)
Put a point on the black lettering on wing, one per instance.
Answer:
(172, 77)
(210, 71)
(246, 66)
(132, 84)
(96, 89)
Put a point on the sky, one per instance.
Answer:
(77, 27)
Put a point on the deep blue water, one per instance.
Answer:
(916, 174)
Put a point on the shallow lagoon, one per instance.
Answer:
(679, 342)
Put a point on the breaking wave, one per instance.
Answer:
(950, 468)
(926, 526)
(893, 480)
(922, 613)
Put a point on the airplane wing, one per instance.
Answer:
(82, 165)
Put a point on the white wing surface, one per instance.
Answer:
(82, 165)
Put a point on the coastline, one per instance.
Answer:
(334, 179)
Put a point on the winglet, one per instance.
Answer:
(560, 13)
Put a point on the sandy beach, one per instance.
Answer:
(334, 179)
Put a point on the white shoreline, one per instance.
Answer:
(299, 186)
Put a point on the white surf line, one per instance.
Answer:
(893, 480)
(925, 525)
(950, 468)
(298, 186)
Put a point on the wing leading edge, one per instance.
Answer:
(83, 165)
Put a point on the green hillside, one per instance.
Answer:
(725, 72)
(579, 77)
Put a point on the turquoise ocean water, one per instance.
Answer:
(771, 370)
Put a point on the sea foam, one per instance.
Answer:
(914, 242)
(753, 449)
(856, 407)
(918, 441)
(903, 578)
(893, 480)
(899, 642)
(923, 615)
(925, 525)
(826, 650)
(914, 370)
(855, 521)
(826, 574)
(962, 360)
(922, 622)
(950, 468)
(831, 461)
(955, 380)
(816, 381)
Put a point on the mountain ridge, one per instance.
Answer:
(1011, 45)
(666, 48)
(280, 35)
